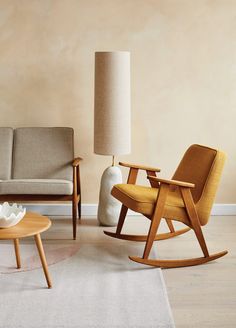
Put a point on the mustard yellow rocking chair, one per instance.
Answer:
(187, 198)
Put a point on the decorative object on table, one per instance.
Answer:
(111, 124)
(39, 166)
(187, 198)
(10, 215)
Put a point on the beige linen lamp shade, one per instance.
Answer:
(112, 103)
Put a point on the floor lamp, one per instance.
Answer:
(111, 124)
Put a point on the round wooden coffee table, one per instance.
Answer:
(31, 225)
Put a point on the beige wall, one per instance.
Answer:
(183, 75)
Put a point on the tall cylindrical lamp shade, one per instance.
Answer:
(112, 103)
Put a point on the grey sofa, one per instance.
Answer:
(38, 164)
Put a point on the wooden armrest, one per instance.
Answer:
(140, 167)
(76, 161)
(172, 182)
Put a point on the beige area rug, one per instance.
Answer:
(98, 287)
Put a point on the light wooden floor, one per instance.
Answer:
(204, 296)
(200, 296)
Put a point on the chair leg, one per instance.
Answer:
(196, 226)
(201, 240)
(170, 225)
(156, 219)
(193, 216)
(74, 217)
(122, 217)
(151, 235)
(120, 224)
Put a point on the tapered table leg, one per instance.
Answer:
(17, 252)
(39, 245)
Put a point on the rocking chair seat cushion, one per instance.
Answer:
(142, 199)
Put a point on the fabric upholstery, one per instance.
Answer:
(207, 198)
(195, 167)
(43, 153)
(6, 144)
(142, 199)
(200, 165)
(36, 187)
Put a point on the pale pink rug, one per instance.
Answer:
(55, 252)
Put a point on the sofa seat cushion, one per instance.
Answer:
(36, 187)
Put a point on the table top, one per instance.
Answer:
(32, 224)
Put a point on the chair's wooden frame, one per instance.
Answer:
(132, 178)
(75, 197)
(194, 223)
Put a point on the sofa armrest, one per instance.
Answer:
(76, 161)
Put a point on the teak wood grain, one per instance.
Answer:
(31, 225)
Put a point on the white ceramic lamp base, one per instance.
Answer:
(109, 207)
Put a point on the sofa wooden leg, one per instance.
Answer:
(74, 218)
(79, 208)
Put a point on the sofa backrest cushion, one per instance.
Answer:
(6, 144)
(43, 153)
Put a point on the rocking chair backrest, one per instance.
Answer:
(202, 166)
